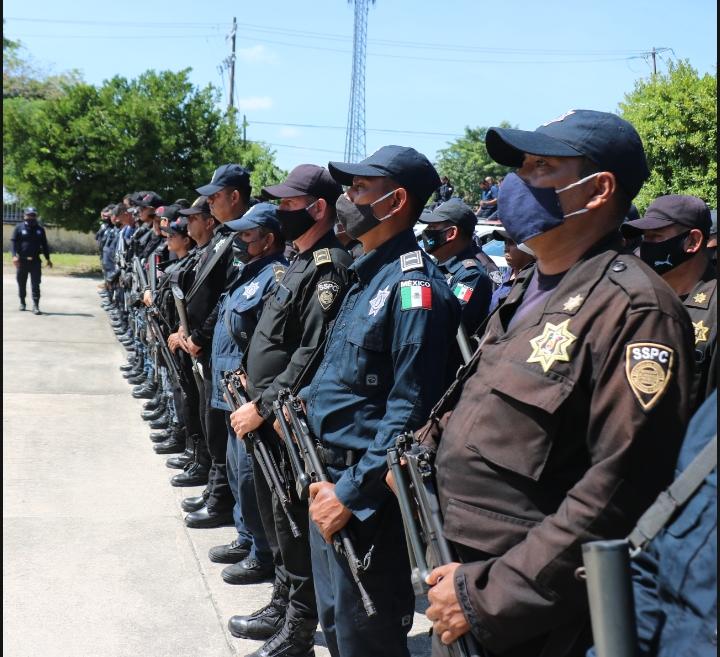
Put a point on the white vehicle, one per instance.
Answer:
(492, 247)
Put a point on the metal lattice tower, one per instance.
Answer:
(355, 135)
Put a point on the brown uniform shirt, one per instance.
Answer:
(565, 432)
(701, 305)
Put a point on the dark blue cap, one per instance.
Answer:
(260, 214)
(178, 226)
(455, 210)
(407, 167)
(227, 175)
(146, 199)
(606, 139)
(170, 212)
(30, 210)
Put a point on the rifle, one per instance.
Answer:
(412, 468)
(342, 542)
(235, 396)
(168, 357)
(179, 297)
(466, 350)
(302, 479)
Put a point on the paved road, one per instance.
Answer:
(97, 561)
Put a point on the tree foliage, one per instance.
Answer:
(467, 163)
(71, 155)
(676, 116)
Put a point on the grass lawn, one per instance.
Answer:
(69, 264)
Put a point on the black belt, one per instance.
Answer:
(335, 457)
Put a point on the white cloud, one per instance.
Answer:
(255, 103)
(289, 131)
(256, 53)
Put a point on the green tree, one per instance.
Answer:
(676, 116)
(466, 162)
(71, 155)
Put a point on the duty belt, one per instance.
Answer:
(335, 457)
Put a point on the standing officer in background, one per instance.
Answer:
(28, 241)
(675, 232)
(449, 238)
(518, 256)
(383, 368)
(567, 423)
(293, 323)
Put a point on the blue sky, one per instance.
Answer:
(432, 67)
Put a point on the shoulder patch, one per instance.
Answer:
(470, 263)
(463, 292)
(278, 271)
(327, 292)
(322, 257)
(496, 277)
(648, 368)
(411, 261)
(415, 294)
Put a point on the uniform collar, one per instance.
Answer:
(703, 292)
(453, 263)
(367, 265)
(252, 268)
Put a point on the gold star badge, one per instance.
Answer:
(552, 345)
(700, 297)
(701, 331)
(573, 303)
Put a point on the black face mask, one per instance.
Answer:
(666, 255)
(358, 219)
(240, 250)
(434, 239)
(295, 223)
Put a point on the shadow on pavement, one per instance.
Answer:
(47, 314)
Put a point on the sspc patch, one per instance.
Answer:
(463, 292)
(322, 257)
(327, 291)
(415, 294)
(648, 367)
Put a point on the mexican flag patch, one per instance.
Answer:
(415, 294)
(463, 292)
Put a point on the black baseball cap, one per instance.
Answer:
(170, 212)
(260, 214)
(407, 167)
(606, 139)
(684, 210)
(227, 175)
(306, 179)
(200, 206)
(178, 226)
(30, 211)
(455, 210)
(147, 200)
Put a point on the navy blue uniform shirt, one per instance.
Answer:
(384, 364)
(28, 241)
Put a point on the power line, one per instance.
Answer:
(302, 148)
(340, 127)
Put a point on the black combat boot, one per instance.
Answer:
(155, 413)
(181, 461)
(263, 623)
(196, 474)
(36, 307)
(153, 403)
(23, 307)
(190, 504)
(296, 638)
(161, 436)
(163, 422)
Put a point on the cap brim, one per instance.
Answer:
(207, 190)
(282, 191)
(431, 218)
(502, 236)
(508, 146)
(241, 224)
(648, 223)
(344, 172)
(186, 212)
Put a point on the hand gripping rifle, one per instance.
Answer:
(412, 467)
(179, 297)
(342, 542)
(236, 396)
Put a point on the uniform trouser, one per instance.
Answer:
(220, 497)
(34, 268)
(191, 410)
(348, 630)
(291, 555)
(245, 512)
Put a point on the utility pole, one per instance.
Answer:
(244, 129)
(654, 53)
(232, 64)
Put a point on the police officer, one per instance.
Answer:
(449, 238)
(517, 256)
(28, 241)
(489, 198)
(293, 323)
(383, 369)
(675, 231)
(568, 421)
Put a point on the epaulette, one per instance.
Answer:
(411, 261)
(470, 263)
(322, 257)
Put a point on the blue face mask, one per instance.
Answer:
(527, 211)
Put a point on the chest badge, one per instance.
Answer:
(573, 303)
(700, 297)
(378, 301)
(552, 345)
(648, 368)
(701, 331)
(220, 242)
(251, 289)
(327, 292)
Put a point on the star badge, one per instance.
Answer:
(552, 345)
(700, 297)
(251, 289)
(701, 331)
(378, 301)
(573, 303)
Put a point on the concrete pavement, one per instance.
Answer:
(97, 560)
